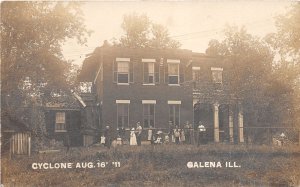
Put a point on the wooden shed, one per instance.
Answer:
(15, 136)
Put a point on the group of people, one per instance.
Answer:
(186, 135)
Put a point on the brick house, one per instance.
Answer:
(154, 87)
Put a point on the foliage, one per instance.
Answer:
(141, 32)
(286, 71)
(287, 37)
(272, 86)
(249, 61)
(32, 65)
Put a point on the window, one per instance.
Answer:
(123, 71)
(148, 114)
(60, 122)
(196, 76)
(196, 73)
(217, 75)
(174, 112)
(151, 71)
(173, 71)
(123, 114)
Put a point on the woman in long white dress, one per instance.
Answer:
(132, 137)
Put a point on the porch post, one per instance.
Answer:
(241, 123)
(230, 124)
(194, 102)
(216, 123)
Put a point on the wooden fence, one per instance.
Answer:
(20, 143)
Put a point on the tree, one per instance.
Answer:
(288, 29)
(286, 72)
(141, 32)
(249, 61)
(31, 37)
(136, 29)
(161, 38)
(32, 64)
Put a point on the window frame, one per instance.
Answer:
(156, 70)
(121, 72)
(173, 75)
(147, 74)
(116, 73)
(122, 103)
(148, 116)
(60, 123)
(172, 112)
(215, 78)
(196, 73)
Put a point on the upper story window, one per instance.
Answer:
(196, 76)
(150, 71)
(173, 71)
(196, 73)
(123, 71)
(60, 122)
(217, 76)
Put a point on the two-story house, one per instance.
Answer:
(156, 87)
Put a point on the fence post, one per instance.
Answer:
(299, 137)
(29, 145)
(269, 136)
(10, 148)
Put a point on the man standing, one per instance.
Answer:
(121, 132)
(107, 137)
(201, 133)
(171, 132)
(187, 132)
(139, 130)
(176, 134)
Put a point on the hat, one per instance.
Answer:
(133, 129)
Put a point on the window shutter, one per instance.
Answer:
(146, 72)
(131, 72)
(166, 73)
(115, 71)
(156, 72)
(181, 72)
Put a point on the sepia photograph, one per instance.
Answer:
(150, 93)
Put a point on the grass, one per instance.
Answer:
(164, 165)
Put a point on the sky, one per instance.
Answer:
(192, 23)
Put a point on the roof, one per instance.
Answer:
(9, 123)
(64, 102)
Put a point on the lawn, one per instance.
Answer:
(162, 165)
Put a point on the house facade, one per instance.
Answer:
(72, 118)
(162, 88)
